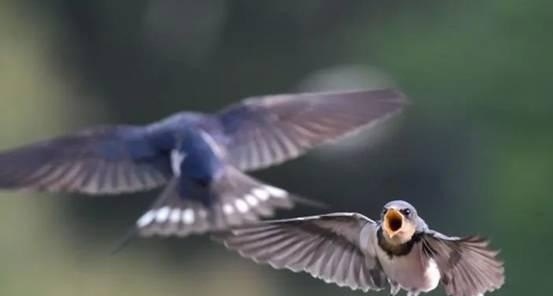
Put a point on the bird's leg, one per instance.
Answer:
(411, 293)
(394, 288)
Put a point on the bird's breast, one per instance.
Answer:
(412, 272)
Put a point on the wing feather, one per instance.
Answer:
(327, 247)
(292, 124)
(468, 266)
(102, 160)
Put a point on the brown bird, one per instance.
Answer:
(351, 250)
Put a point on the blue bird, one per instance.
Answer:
(201, 159)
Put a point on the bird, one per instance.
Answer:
(200, 159)
(348, 249)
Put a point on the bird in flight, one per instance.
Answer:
(201, 159)
(351, 250)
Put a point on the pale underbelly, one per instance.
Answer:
(411, 272)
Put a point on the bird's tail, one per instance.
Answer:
(234, 199)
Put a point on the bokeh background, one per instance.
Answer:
(473, 151)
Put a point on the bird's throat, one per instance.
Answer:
(395, 248)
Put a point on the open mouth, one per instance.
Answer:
(394, 221)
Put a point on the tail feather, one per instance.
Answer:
(173, 215)
(244, 199)
(235, 199)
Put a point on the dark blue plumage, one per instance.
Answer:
(200, 158)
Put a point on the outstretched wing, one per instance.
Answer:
(264, 131)
(103, 160)
(467, 265)
(327, 247)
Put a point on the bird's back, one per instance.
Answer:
(203, 159)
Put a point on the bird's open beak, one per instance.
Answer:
(393, 222)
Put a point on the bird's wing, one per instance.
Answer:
(102, 160)
(327, 247)
(467, 265)
(264, 131)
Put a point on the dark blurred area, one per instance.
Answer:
(473, 152)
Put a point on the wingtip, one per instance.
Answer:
(391, 96)
(396, 95)
(393, 93)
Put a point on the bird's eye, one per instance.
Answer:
(406, 212)
(384, 212)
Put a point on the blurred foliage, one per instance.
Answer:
(473, 151)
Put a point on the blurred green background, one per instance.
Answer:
(473, 152)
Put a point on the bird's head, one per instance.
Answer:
(399, 221)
